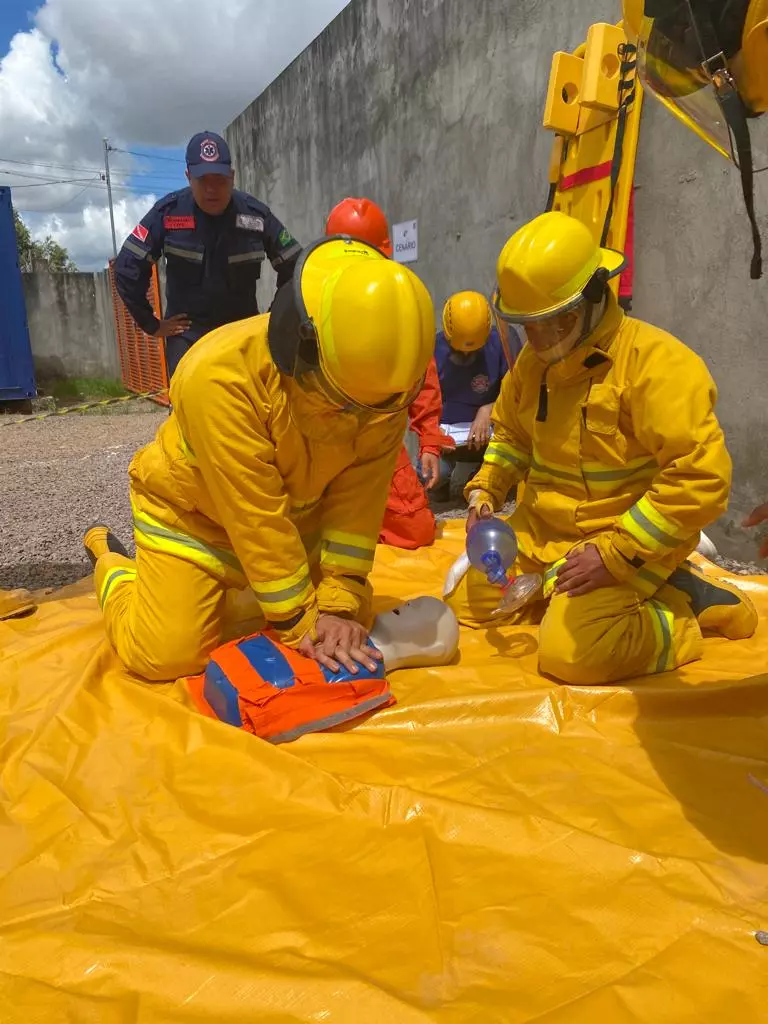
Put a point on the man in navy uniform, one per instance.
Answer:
(214, 239)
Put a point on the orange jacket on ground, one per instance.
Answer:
(262, 686)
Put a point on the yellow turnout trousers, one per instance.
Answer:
(610, 634)
(164, 615)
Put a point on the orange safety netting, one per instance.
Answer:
(142, 358)
(495, 848)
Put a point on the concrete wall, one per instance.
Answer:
(71, 325)
(433, 108)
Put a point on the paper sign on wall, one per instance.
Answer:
(405, 241)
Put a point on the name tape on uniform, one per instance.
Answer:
(249, 223)
(180, 223)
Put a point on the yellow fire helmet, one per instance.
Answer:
(355, 324)
(467, 321)
(547, 266)
(707, 62)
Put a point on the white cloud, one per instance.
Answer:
(144, 73)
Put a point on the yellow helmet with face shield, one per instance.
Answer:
(354, 325)
(551, 276)
(707, 62)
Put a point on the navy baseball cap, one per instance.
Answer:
(208, 153)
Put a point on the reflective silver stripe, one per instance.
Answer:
(666, 637)
(328, 722)
(507, 456)
(227, 557)
(186, 254)
(551, 471)
(645, 523)
(111, 579)
(351, 550)
(247, 257)
(290, 252)
(618, 474)
(651, 577)
(283, 595)
(135, 249)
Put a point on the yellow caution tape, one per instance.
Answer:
(84, 407)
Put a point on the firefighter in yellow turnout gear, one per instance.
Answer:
(273, 469)
(610, 424)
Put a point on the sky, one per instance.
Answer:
(147, 74)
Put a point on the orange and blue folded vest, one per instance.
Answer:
(259, 685)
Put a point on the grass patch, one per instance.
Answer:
(74, 390)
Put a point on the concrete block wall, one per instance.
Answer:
(71, 325)
(433, 108)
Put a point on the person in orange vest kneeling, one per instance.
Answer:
(408, 519)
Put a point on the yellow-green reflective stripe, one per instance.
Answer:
(110, 579)
(162, 534)
(661, 522)
(617, 474)
(304, 506)
(498, 451)
(651, 577)
(664, 620)
(658, 536)
(551, 471)
(289, 593)
(186, 448)
(333, 547)
(550, 576)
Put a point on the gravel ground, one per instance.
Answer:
(58, 476)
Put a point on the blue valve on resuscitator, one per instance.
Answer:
(492, 548)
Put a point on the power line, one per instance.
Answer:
(148, 156)
(58, 167)
(42, 184)
(34, 177)
(159, 178)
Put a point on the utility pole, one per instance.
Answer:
(107, 148)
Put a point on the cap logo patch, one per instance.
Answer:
(209, 151)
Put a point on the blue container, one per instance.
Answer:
(17, 374)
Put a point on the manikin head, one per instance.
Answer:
(418, 633)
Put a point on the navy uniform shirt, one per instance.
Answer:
(213, 263)
(469, 381)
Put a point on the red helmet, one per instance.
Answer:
(362, 219)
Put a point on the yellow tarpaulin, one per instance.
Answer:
(495, 848)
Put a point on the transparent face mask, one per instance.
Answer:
(552, 338)
(670, 65)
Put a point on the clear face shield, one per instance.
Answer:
(551, 337)
(673, 64)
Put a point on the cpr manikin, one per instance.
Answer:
(416, 634)
(260, 685)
